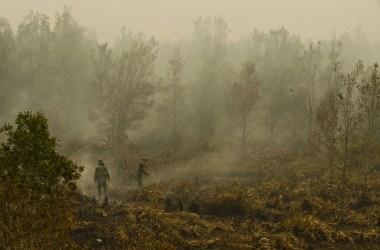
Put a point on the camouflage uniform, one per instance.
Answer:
(140, 172)
(101, 178)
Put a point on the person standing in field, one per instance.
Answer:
(141, 171)
(101, 177)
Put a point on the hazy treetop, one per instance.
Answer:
(173, 19)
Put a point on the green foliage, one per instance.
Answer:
(29, 159)
(36, 185)
(287, 203)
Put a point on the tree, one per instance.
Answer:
(34, 50)
(245, 93)
(7, 43)
(326, 129)
(29, 160)
(124, 88)
(295, 100)
(172, 105)
(348, 113)
(211, 36)
(102, 62)
(36, 186)
(333, 70)
(369, 106)
(277, 54)
(71, 73)
(311, 62)
(72, 48)
(7, 47)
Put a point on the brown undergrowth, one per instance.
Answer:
(295, 206)
(292, 206)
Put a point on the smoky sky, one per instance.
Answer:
(173, 19)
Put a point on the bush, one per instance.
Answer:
(36, 187)
(29, 160)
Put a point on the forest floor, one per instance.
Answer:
(293, 205)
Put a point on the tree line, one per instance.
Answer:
(269, 88)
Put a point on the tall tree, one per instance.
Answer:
(34, 40)
(277, 55)
(245, 93)
(72, 48)
(369, 107)
(71, 61)
(326, 131)
(333, 70)
(311, 66)
(124, 87)
(7, 47)
(211, 36)
(172, 105)
(348, 112)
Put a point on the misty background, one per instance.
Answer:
(172, 19)
(131, 79)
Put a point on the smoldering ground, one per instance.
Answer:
(210, 167)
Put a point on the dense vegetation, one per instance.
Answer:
(270, 142)
(36, 186)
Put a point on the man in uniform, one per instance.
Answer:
(101, 178)
(141, 171)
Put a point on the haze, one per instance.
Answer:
(173, 19)
(257, 121)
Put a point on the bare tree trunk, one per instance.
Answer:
(175, 126)
(366, 163)
(345, 161)
(244, 131)
(174, 109)
(271, 127)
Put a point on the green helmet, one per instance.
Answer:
(100, 162)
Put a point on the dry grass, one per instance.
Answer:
(294, 206)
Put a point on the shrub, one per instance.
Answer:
(29, 159)
(36, 187)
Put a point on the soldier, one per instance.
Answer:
(101, 178)
(141, 171)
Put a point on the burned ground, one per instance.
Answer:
(296, 208)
